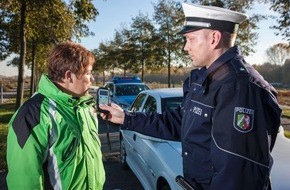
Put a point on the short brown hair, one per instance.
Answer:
(228, 39)
(68, 56)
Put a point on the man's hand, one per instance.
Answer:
(115, 113)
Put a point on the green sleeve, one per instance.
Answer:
(27, 144)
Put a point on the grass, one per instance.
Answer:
(6, 112)
(3, 137)
(286, 112)
(287, 134)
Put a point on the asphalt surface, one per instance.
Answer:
(116, 177)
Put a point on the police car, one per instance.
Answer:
(123, 90)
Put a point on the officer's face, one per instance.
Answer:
(198, 46)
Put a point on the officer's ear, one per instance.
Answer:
(216, 37)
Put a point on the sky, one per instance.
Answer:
(113, 14)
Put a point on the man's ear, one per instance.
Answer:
(68, 77)
(216, 38)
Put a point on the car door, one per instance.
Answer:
(132, 142)
(144, 146)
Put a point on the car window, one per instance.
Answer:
(120, 90)
(170, 103)
(136, 106)
(150, 105)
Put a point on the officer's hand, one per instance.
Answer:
(115, 113)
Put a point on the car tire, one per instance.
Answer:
(123, 154)
(165, 187)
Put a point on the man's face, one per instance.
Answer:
(198, 47)
(80, 84)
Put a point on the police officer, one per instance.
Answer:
(229, 117)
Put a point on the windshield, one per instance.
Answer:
(130, 89)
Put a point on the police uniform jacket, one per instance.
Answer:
(227, 124)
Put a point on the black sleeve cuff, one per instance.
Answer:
(127, 120)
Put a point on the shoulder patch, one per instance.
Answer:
(28, 116)
(243, 119)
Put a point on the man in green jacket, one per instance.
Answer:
(53, 138)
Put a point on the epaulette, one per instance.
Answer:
(238, 64)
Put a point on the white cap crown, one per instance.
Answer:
(199, 16)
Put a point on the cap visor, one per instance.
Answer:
(187, 29)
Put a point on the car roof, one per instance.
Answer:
(164, 92)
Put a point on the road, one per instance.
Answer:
(116, 177)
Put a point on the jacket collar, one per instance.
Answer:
(49, 89)
(223, 59)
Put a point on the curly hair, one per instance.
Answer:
(68, 56)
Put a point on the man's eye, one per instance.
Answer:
(190, 39)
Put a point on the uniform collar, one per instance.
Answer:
(223, 59)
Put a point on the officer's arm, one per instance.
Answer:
(240, 143)
(166, 125)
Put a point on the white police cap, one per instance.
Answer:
(199, 16)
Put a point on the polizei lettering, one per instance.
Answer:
(197, 110)
(244, 110)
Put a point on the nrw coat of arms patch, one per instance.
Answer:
(243, 119)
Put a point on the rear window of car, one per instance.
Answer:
(171, 103)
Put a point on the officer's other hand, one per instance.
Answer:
(115, 113)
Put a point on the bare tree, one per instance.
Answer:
(278, 53)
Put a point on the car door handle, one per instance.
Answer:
(134, 137)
